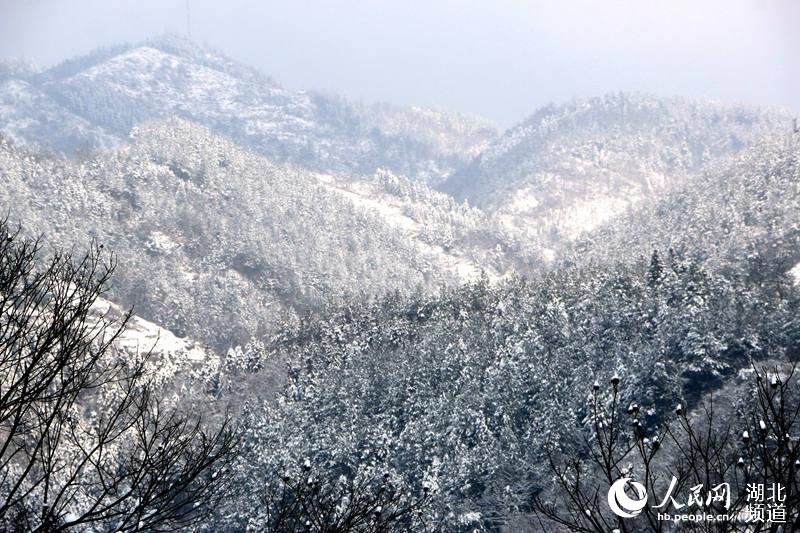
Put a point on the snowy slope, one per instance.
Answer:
(397, 212)
(142, 337)
(569, 168)
(742, 215)
(109, 91)
(794, 272)
(219, 243)
(28, 114)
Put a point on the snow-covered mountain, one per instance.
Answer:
(676, 298)
(571, 167)
(291, 262)
(29, 113)
(564, 171)
(94, 101)
(168, 354)
(218, 242)
(261, 202)
(740, 216)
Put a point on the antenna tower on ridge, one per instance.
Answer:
(188, 21)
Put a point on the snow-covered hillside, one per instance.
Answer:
(219, 243)
(740, 216)
(94, 101)
(28, 113)
(169, 354)
(465, 240)
(569, 168)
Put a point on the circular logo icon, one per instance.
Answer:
(623, 505)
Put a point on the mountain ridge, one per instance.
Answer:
(570, 167)
(202, 224)
(112, 89)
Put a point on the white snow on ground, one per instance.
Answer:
(586, 215)
(573, 218)
(141, 336)
(794, 272)
(548, 254)
(25, 110)
(523, 200)
(388, 208)
(362, 195)
(162, 242)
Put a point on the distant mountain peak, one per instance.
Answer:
(112, 89)
(569, 167)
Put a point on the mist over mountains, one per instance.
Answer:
(204, 228)
(373, 288)
(568, 168)
(93, 102)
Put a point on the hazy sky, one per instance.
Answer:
(498, 58)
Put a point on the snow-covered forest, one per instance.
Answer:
(369, 317)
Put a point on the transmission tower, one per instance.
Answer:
(188, 20)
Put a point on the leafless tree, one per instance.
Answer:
(367, 504)
(701, 448)
(85, 442)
